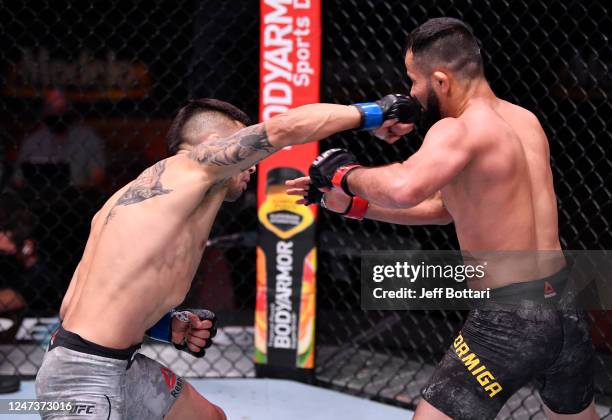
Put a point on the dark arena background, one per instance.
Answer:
(124, 68)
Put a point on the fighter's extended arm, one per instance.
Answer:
(430, 212)
(443, 155)
(228, 156)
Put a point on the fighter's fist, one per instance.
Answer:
(193, 330)
(392, 130)
(402, 108)
(329, 169)
(398, 107)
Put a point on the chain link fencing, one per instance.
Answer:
(552, 58)
(88, 93)
(124, 68)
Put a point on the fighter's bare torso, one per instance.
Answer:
(504, 200)
(140, 259)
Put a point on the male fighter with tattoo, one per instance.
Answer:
(144, 247)
(484, 165)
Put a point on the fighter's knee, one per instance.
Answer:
(191, 405)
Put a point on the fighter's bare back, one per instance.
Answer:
(503, 199)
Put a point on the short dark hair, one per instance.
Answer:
(197, 107)
(448, 42)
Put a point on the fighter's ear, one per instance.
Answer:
(441, 81)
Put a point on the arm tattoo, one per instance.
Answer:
(147, 185)
(235, 148)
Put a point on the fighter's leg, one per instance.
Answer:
(588, 413)
(426, 411)
(567, 386)
(93, 384)
(454, 392)
(154, 391)
(191, 405)
(496, 353)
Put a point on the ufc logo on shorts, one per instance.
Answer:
(83, 409)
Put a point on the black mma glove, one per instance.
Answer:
(404, 108)
(313, 195)
(330, 169)
(204, 315)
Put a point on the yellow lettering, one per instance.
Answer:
(470, 361)
(458, 340)
(484, 377)
(462, 349)
(493, 389)
(480, 369)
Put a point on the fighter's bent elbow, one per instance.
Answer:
(439, 214)
(406, 195)
(442, 218)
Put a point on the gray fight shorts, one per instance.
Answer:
(104, 383)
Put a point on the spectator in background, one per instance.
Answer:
(12, 303)
(60, 139)
(15, 225)
(25, 280)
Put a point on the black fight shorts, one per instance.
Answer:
(500, 350)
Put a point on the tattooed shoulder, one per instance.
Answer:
(146, 186)
(109, 216)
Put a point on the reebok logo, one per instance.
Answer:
(549, 291)
(169, 376)
(52, 341)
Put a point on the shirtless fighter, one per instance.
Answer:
(144, 247)
(483, 165)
